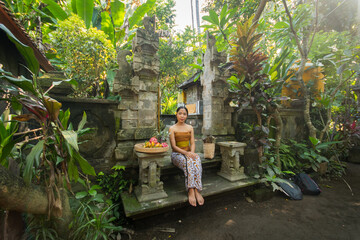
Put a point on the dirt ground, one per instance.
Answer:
(334, 214)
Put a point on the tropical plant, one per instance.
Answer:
(56, 154)
(221, 26)
(39, 228)
(249, 84)
(169, 105)
(94, 216)
(114, 183)
(7, 130)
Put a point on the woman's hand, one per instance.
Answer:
(191, 155)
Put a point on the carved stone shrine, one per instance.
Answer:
(150, 187)
(230, 163)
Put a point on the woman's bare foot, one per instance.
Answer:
(199, 198)
(192, 199)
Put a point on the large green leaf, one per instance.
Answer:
(214, 17)
(64, 117)
(34, 156)
(82, 122)
(71, 137)
(56, 10)
(223, 14)
(26, 51)
(21, 82)
(73, 171)
(140, 13)
(73, 6)
(84, 165)
(85, 10)
(117, 12)
(107, 26)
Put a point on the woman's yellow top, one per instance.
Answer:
(182, 140)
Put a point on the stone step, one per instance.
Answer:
(174, 186)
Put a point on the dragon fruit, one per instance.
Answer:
(164, 144)
(153, 140)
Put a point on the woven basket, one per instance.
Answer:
(140, 148)
(209, 150)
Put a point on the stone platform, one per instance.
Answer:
(174, 186)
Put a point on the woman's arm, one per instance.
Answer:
(192, 140)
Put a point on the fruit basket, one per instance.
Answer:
(140, 148)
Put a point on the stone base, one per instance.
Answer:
(233, 176)
(149, 196)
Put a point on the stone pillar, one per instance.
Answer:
(217, 112)
(150, 187)
(230, 163)
(137, 86)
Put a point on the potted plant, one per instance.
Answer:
(209, 146)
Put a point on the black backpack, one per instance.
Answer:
(306, 184)
(290, 189)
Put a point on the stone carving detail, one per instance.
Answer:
(230, 163)
(125, 72)
(145, 46)
(150, 187)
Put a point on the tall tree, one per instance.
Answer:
(197, 15)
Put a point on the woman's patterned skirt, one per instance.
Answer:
(191, 167)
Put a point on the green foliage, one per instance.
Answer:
(243, 9)
(164, 14)
(39, 228)
(84, 9)
(168, 105)
(300, 157)
(85, 55)
(56, 10)
(93, 216)
(114, 183)
(220, 26)
(7, 142)
(249, 85)
(55, 157)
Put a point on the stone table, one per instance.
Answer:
(230, 163)
(150, 187)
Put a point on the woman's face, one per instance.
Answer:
(181, 115)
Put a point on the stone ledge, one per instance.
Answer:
(177, 196)
(87, 100)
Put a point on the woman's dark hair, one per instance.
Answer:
(178, 109)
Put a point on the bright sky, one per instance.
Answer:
(183, 13)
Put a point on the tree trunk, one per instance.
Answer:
(259, 11)
(192, 16)
(15, 195)
(279, 127)
(197, 15)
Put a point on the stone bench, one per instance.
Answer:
(150, 186)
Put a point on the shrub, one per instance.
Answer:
(84, 55)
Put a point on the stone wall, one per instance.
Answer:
(98, 145)
(193, 94)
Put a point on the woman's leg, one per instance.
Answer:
(195, 172)
(194, 178)
(180, 161)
